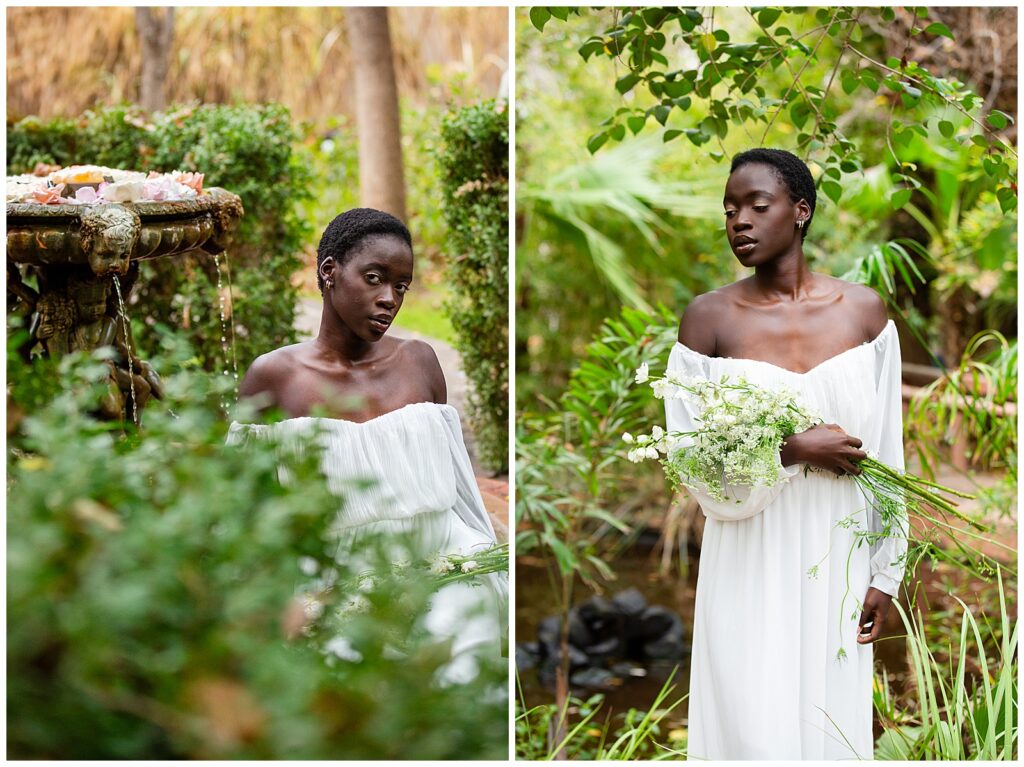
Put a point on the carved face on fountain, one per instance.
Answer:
(109, 234)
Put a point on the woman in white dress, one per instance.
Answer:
(382, 416)
(792, 587)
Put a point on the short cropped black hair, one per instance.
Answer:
(790, 170)
(347, 231)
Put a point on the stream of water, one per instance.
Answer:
(127, 345)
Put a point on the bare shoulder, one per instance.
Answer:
(269, 372)
(422, 356)
(700, 321)
(866, 305)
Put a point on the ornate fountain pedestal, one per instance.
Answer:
(74, 253)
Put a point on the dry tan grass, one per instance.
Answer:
(61, 61)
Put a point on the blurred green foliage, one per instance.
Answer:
(473, 169)
(332, 157)
(152, 587)
(246, 149)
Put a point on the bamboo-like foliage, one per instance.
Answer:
(977, 398)
(951, 721)
(295, 56)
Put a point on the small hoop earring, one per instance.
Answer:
(329, 283)
(800, 224)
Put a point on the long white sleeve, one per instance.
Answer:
(741, 501)
(888, 554)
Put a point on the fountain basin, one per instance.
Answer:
(75, 252)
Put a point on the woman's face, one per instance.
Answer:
(760, 217)
(371, 285)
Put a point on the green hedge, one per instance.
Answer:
(474, 177)
(246, 149)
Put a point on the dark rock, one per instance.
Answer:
(606, 648)
(623, 669)
(597, 609)
(527, 655)
(657, 621)
(669, 647)
(593, 678)
(548, 630)
(579, 634)
(577, 658)
(631, 602)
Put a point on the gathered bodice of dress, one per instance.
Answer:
(842, 390)
(397, 466)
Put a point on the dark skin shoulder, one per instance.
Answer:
(738, 321)
(307, 377)
(828, 318)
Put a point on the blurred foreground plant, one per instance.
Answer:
(152, 591)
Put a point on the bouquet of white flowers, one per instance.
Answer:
(742, 427)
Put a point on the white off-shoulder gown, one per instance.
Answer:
(406, 474)
(776, 671)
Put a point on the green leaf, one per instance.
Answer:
(768, 16)
(946, 128)
(566, 559)
(560, 12)
(899, 198)
(626, 82)
(677, 88)
(661, 113)
(597, 141)
(832, 189)
(1007, 199)
(888, 14)
(938, 29)
(669, 135)
(592, 46)
(539, 17)
(636, 123)
(618, 132)
(849, 81)
(998, 120)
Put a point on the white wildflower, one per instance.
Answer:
(634, 455)
(468, 567)
(663, 389)
(650, 452)
(308, 566)
(342, 649)
(356, 603)
(312, 607)
(642, 373)
(441, 566)
(627, 438)
(657, 433)
(367, 583)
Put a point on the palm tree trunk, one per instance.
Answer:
(156, 35)
(381, 180)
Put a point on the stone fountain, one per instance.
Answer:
(85, 261)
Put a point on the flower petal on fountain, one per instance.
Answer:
(47, 196)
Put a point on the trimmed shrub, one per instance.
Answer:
(246, 149)
(474, 178)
